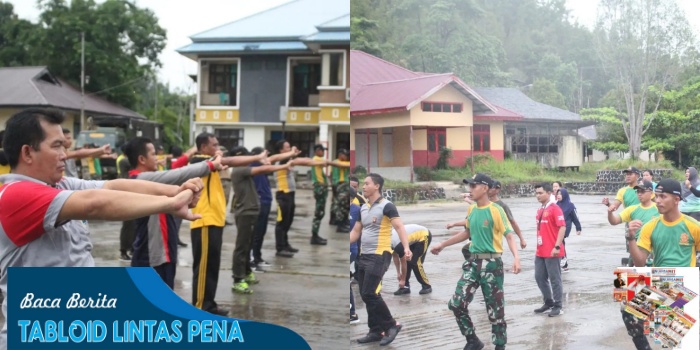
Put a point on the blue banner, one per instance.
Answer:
(120, 308)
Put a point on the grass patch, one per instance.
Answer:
(520, 171)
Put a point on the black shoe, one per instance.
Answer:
(125, 257)
(543, 308)
(474, 343)
(261, 263)
(290, 249)
(285, 254)
(343, 229)
(500, 347)
(426, 290)
(556, 311)
(390, 335)
(402, 291)
(317, 240)
(370, 338)
(181, 243)
(219, 311)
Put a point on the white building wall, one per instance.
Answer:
(254, 136)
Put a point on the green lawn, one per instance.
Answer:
(516, 171)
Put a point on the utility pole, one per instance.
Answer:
(155, 113)
(82, 81)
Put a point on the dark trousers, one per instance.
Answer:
(635, 328)
(334, 192)
(245, 225)
(206, 252)
(352, 302)
(260, 231)
(340, 208)
(371, 269)
(320, 195)
(419, 251)
(126, 236)
(285, 216)
(167, 273)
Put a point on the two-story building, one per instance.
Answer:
(280, 73)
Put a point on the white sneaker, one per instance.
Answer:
(562, 263)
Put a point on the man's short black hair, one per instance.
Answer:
(203, 139)
(176, 151)
(257, 150)
(353, 178)
(648, 171)
(24, 128)
(3, 157)
(66, 131)
(138, 146)
(377, 179)
(545, 186)
(279, 145)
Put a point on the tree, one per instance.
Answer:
(546, 92)
(608, 128)
(641, 44)
(16, 37)
(122, 44)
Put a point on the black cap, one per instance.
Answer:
(479, 179)
(319, 146)
(344, 151)
(644, 185)
(239, 151)
(670, 186)
(496, 184)
(632, 170)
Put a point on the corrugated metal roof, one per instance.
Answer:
(292, 20)
(516, 101)
(366, 69)
(342, 22)
(340, 37)
(35, 86)
(402, 95)
(378, 86)
(249, 47)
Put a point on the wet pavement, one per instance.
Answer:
(307, 293)
(591, 318)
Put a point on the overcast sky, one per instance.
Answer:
(184, 18)
(181, 19)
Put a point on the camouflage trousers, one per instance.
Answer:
(320, 195)
(340, 207)
(487, 274)
(635, 328)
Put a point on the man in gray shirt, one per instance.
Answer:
(41, 210)
(246, 207)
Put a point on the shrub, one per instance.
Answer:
(444, 158)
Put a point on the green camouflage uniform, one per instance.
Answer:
(320, 195)
(340, 208)
(483, 224)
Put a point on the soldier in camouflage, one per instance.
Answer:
(318, 176)
(341, 197)
(484, 268)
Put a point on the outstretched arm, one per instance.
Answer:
(89, 152)
(244, 160)
(122, 205)
(266, 169)
(282, 156)
(460, 237)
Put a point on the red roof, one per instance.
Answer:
(378, 86)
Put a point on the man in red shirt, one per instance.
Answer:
(551, 227)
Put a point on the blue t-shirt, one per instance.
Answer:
(262, 186)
